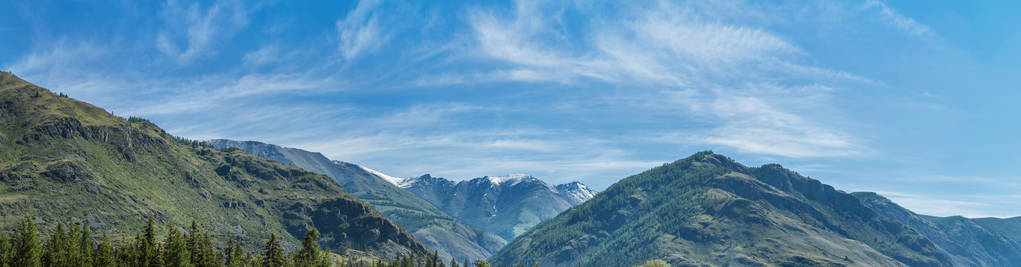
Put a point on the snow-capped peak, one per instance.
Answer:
(393, 180)
(575, 192)
(513, 178)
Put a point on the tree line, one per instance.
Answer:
(75, 245)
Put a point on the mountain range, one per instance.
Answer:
(504, 205)
(461, 220)
(63, 160)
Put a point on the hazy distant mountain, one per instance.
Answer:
(710, 210)
(504, 205)
(62, 159)
(967, 241)
(431, 225)
(1009, 228)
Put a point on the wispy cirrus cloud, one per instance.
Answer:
(266, 54)
(733, 76)
(360, 31)
(897, 20)
(191, 31)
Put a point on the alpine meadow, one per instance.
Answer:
(379, 133)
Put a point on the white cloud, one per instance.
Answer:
(747, 81)
(360, 31)
(944, 205)
(897, 20)
(201, 95)
(265, 55)
(192, 31)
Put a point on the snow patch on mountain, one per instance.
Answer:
(393, 180)
(510, 179)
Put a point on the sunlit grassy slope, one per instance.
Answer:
(65, 160)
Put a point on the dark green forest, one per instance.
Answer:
(75, 245)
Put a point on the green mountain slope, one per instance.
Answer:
(432, 226)
(62, 159)
(709, 210)
(965, 240)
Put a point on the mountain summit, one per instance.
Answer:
(709, 210)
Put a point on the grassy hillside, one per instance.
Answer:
(432, 226)
(62, 159)
(709, 210)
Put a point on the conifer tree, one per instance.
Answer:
(86, 246)
(55, 250)
(273, 254)
(193, 246)
(201, 248)
(235, 255)
(435, 260)
(72, 251)
(310, 254)
(5, 250)
(175, 249)
(26, 247)
(148, 251)
(104, 256)
(159, 261)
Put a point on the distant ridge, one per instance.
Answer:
(969, 242)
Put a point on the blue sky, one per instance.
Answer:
(917, 102)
